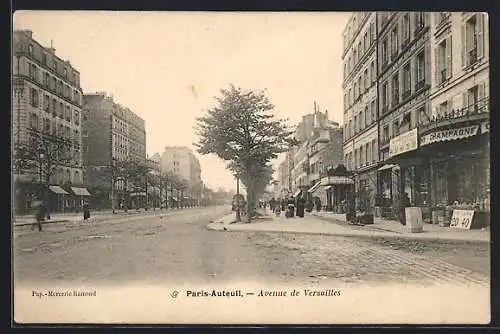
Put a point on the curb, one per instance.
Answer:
(227, 228)
(44, 222)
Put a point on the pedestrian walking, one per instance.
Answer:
(318, 204)
(404, 203)
(40, 212)
(272, 204)
(301, 204)
(86, 211)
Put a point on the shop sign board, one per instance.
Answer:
(462, 219)
(403, 143)
(450, 134)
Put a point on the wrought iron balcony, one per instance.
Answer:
(420, 84)
(478, 109)
(406, 94)
(472, 56)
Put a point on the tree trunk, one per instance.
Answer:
(161, 191)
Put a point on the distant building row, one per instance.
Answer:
(48, 100)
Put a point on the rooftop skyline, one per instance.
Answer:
(167, 66)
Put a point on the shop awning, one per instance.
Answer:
(337, 180)
(80, 191)
(386, 166)
(297, 193)
(58, 190)
(314, 187)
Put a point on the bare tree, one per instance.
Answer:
(43, 153)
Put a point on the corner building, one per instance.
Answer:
(48, 98)
(454, 138)
(360, 146)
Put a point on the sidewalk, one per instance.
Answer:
(323, 223)
(95, 216)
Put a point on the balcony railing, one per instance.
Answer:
(420, 84)
(472, 56)
(406, 94)
(479, 107)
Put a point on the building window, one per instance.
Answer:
(443, 108)
(395, 89)
(395, 128)
(385, 97)
(54, 64)
(46, 103)
(355, 92)
(372, 32)
(44, 59)
(34, 121)
(373, 73)
(61, 110)
(374, 111)
(65, 72)
(367, 115)
(355, 56)
(394, 42)
(472, 40)
(367, 81)
(368, 152)
(471, 100)
(406, 123)
(385, 133)
(419, 21)
(53, 84)
(406, 28)
(46, 79)
(385, 53)
(443, 58)
(350, 128)
(374, 151)
(355, 124)
(365, 41)
(420, 70)
(406, 81)
(356, 159)
(30, 49)
(46, 125)
(34, 97)
(360, 86)
(361, 157)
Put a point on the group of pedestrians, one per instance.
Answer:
(291, 206)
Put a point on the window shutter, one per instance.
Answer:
(449, 51)
(465, 102)
(481, 96)
(480, 34)
(436, 65)
(464, 47)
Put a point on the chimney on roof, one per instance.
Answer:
(51, 49)
(28, 32)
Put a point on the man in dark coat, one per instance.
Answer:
(86, 211)
(301, 203)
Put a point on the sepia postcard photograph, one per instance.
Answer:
(250, 167)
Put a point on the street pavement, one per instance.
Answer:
(176, 247)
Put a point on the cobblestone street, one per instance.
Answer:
(177, 247)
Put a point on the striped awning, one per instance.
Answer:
(80, 191)
(314, 187)
(58, 190)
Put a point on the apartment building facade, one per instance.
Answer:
(360, 85)
(454, 139)
(47, 102)
(181, 161)
(112, 132)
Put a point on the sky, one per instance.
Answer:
(167, 67)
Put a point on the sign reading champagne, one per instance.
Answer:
(451, 134)
(462, 219)
(403, 143)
